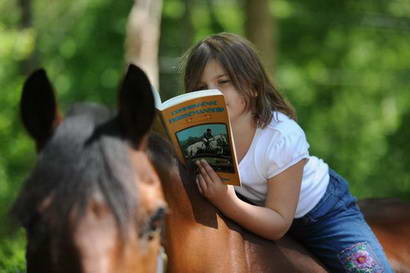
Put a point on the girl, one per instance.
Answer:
(285, 188)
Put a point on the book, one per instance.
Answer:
(198, 127)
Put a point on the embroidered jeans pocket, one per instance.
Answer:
(360, 258)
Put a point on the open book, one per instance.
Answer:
(198, 126)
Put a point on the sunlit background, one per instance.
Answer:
(345, 66)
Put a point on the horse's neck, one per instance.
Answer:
(184, 198)
(196, 227)
(178, 184)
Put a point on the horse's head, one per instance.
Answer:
(93, 202)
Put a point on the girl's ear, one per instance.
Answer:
(254, 94)
(38, 108)
(136, 109)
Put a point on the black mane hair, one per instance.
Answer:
(86, 158)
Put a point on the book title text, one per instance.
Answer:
(179, 114)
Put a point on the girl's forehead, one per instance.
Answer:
(214, 64)
(213, 69)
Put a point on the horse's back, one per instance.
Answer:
(390, 220)
(284, 255)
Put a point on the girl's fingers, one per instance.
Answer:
(209, 171)
(198, 185)
(204, 172)
(202, 183)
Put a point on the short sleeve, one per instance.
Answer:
(286, 149)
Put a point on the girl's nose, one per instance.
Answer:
(212, 86)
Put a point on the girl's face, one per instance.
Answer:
(215, 77)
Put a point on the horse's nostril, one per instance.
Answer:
(160, 213)
(153, 223)
(156, 219)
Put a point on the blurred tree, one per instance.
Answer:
(260, 29)
(143, 34)
(188, 36)
(214, 22)
(177, 23)
(26, 23)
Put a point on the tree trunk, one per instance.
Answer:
(260, 29)
(189, 30)
(143, 33)
(26, 22)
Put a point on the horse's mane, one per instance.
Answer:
(163, 156)
(85, 159)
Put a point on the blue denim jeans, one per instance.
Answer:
(336, 232)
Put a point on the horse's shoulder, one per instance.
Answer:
(264, 253)
(295, 257)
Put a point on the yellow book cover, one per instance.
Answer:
(198, 126)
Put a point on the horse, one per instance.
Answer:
(215, 145)
(93, 202)
(220, 139)
(195, 148)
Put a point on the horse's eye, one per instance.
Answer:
(153, 224)
(36, 229)
(34, 224)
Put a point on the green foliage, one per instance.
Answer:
(342, 65)
(12, 253)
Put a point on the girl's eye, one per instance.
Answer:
(223, 81)
(202, 87)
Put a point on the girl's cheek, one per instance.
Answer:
(243, 104)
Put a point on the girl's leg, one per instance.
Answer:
(336, 232)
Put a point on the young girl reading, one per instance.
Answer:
(285, 188)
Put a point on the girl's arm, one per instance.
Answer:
(271, 221)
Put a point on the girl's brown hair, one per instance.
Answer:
(245, 70)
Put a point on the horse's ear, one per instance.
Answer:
(136, 109)
(38, 108)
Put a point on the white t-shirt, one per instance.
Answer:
(279, 145)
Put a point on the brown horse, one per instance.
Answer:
(199, 239)
(93, 202)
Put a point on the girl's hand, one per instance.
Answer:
(211, 186)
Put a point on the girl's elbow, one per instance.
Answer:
(276, 236)
(279, 233)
